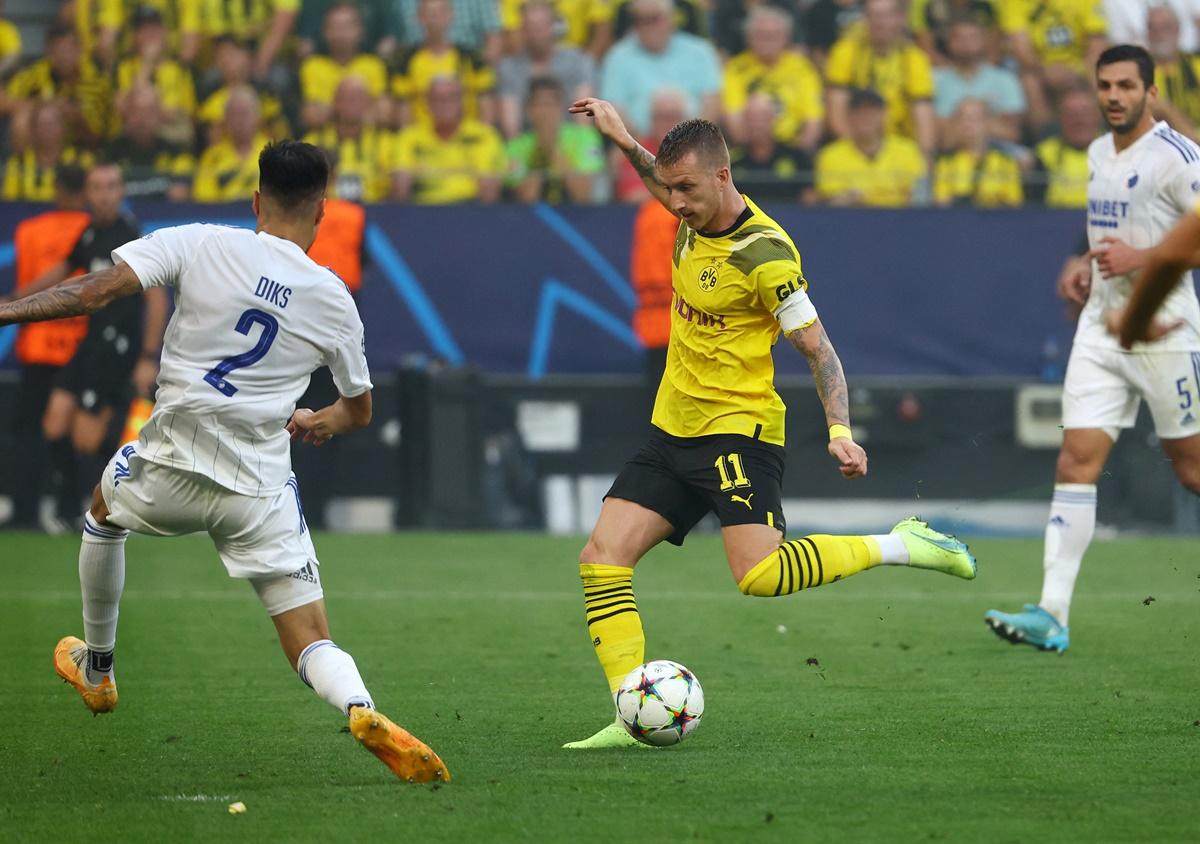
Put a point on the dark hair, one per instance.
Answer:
(231, 40)
(866, 98)
(58, 29)
(69, 178)
(544, 83)
(292, 174)
(697, 135)
(343, 5)
(1130, 53)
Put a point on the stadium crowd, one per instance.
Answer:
(845, 102)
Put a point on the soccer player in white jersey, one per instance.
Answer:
(254, 317)
(1143, 177)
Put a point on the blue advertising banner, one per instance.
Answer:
(536, 290)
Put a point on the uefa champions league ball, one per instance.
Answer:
(660, 703)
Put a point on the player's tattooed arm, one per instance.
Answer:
(73, 297)
(609, 123)
(814, 344)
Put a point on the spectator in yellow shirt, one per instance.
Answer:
(585, 24)
(266, 23)
(438, 57)
(869, 166)
(320, 75)
(153, 165)
(976, 172)
(65, 75)
(363, 151)
(1056, 43)
(879, 56)
(1176, 73)
(451, 158)
(10, 47)
(97, 24)
(770, 66)
(29, 175)
(232, 59)
(151, 64)
(228, 170)
(1061, 177)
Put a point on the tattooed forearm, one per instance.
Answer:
(74, 297)
(827, 372)
(643, 162)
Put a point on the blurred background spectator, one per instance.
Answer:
(976, 170)
(1062, 161)
(155, 166)
(436, 56)
(540, 55)
(322, 73)
(228, 169)
(870, 166)
(556, 160)
(654, 56)
(451, 157)
(968, 74)
(762, 166)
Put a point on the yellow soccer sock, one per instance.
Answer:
(810, 561)
(613, 621)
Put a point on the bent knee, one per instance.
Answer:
(1189, 476)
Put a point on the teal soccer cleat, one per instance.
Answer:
(1034, 627)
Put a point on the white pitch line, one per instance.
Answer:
(195, 798)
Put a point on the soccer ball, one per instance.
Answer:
(660, 703)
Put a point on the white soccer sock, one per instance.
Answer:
(331, 673)
(1068, 534)
(101, 579)
(895, 552)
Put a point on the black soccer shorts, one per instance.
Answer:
(98, 378)
(684, 478)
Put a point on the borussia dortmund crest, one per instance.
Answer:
(708, 276)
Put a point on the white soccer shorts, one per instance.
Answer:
(264, 540)
(1103, 388)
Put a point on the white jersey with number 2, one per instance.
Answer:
(254, 317)
(1137, 195)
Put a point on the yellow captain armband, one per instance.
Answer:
(836, 431)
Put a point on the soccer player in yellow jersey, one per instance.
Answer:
(717, 439)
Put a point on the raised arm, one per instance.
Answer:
(610, 125)
(85, 294)
(830, 380)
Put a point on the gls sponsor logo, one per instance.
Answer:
(785, 290)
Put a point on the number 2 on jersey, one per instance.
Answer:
(270, 327)
(739, 478)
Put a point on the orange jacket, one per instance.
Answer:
(41, 242)
(339, 243)
(654, 232)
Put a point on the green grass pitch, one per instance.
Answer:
(878, 709)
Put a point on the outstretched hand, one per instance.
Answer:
(851, 458)
(608, 119)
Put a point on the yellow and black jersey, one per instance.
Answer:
(93, 15)
(1058, 29)
(364, 164)
(448, 170)
(172, 80)
(225, 175)
(726, 288)
(321, 75)
(419, 66)
(576, 17)
(272, 118)
(91, 91)
(902, 77)
(247, 19)
(1063, 171)
(792, 83)
(25, 178)
(990, 180)
(179, 17)
(10, 40)
(1179, 84)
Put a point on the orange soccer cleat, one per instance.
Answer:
(70, 656)
(408, 757)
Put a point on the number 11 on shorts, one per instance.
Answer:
(739, 479)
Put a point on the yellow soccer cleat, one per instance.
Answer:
(408, 757)
(70, 656)
(930, 549)
(614, 735)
